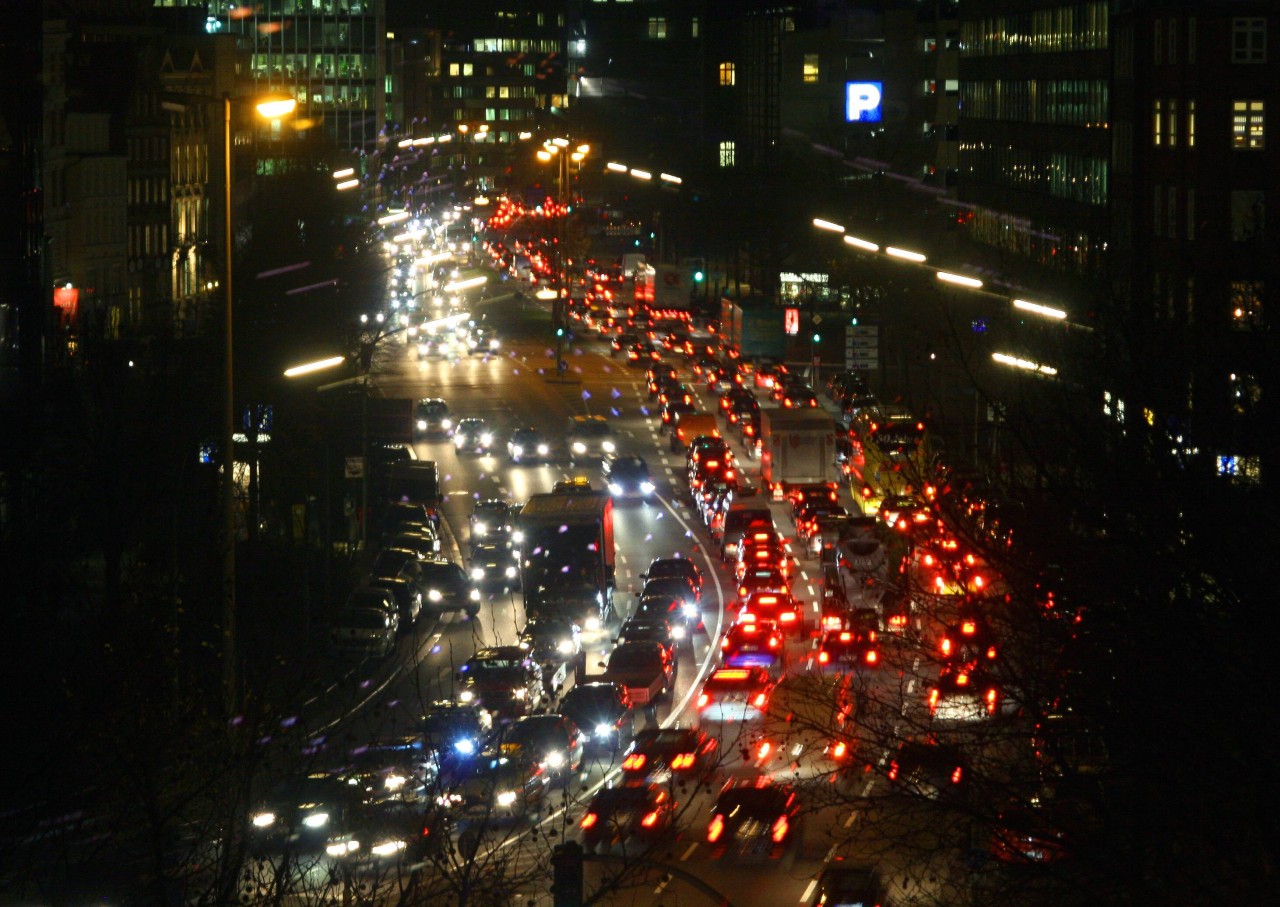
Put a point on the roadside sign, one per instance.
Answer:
(862, 347)
(353, 468)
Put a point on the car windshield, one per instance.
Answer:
(364, 620)
(433, 408)
(758, 802)
(368, 599)
(670, 568)
(548, 630)
(491, 509)
(668, 737)
(621, 798)
(537, 732)
(581, 699)
(471, 425)
(626, 657)
(591, 429)
(632, 465)
(448, 725)
(440, 573)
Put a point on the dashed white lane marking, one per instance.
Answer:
(808, 891)
(688, 853)
(853, 817)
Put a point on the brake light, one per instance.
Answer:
(957, 775)
(767, 599)
(788, 616)
(731, 674)
(634, 762)
(764, 750)
(962, 679)
(831, 622)
(846, 636)
(684, 760)
(650, 820)
(872, 656)
(978, 582)
(759, 700)
(715, 829)
(946, 647)
(929, 560)
(773, 642)
(724, 643)
(703, 700)
(893, 771)
(742, 590)
(991, 652)
(823, 657)
(780, 826)
(839, 750)
(991, 701)
(589, 820)
(933, 700)
(898, 620)
(968, 628)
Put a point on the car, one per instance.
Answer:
(406, 594)
(658, 606)
(642, 354)
(732, 399)
(735, 694)
(669, 392)
(645, 669)
(622, 341)
(713, 498)
(968, 642)
(403, 516)
(505, 680)
(454, 731)
(927, 768)
(367, 596)
(496, 788)
(551, 640)
(680, 587)
(473, 435)
(744, 519)
(394, 771)
(758, 644)
(753, 818)
(365, 631)
(604, 713)
(962, 695)
(628, 477)
(528, 445)
(656, 375)
(491, 519)
(397, 563)
(590, 437)
(897, 507)
(711, 470)
(661, 753)
(707, 447)
(805, 493)
(848, 648)
(763, 579)
(552, 742)
(671, 411)
(808, 515)
(448, 588)
(799, 398)
(618, 815)
(756, 553)
(651, 627)
(782, 608)
(664, 567)
(841, 885)
(575, 485)
(425, 543)
(431, 417)
(767, 374)
(304, 815)
(495, 565)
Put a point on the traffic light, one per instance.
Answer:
(817, 338)
(566, 874)
(698, 276)
(560, 332)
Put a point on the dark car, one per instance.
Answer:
(670, 751)
(491, 520)
(473, 435)
(666, 567)
(431, 417)
(604, 713)
(505, 680)
(651, 628)
(926, 768)
(657, 374)
(671, 410)
(528, 445)
(407, 595)
(397, 563)
(495, 565)
(391, 772)
(448, 589)
(849, 886)
(753, 819)
(556, 644)
(758, 644)
(664, 607)
(424, 542)
(645, 669)
(627, 477)
(552, 742)
(851, 647)
(679, 587)
(454, 730)
(497, 788)
(305, 814)
(618, 814)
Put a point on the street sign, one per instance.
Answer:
(862, 347)
(353, 468)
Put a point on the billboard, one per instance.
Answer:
(863, 102)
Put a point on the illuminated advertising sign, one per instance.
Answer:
(791, 321)
(862, 102)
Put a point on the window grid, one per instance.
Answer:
(1191, 123)
(1157, 122)
(810, 69)
(1249, 40)
(728, 74)
(726, 154)
(1248, 125)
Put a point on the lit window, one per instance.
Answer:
(810, 67)
(951, 87)
(1157, 122)
(1173, 122)
(930, 86)
(693, 27)
(1246, 304)
(930, 45)
(454, 69)
(1191, 124)
(467, 69)
(728, 74)
(1249, 40)
(726, 154)
(657, 27)
(1248, 125)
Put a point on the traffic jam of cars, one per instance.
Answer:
(838, 584)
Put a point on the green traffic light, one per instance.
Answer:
(698, 276)
(817, 338)
(559, 332)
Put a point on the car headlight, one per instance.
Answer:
(677, 632)
(565, 647)
(459, 440)
(520, 692)
(542, 450)
(387, 848)
(395, 782)
(579, 447)
(517, 450)
(593, 624)
(264, 820)
(517, 536)
(341, 848)
(608, 446)
(555, 759)
(475, 595)
(316, 820)
(689, 610)
(647, 487)
(434, 595)
(493, 344)
(486, 439)
(615, 488)
(466, 746)
(511, 572)
(604, 730)
(466, 696)
(422, 425)
(506, 798)
(479, 528)
(477, 573)
(446, 423)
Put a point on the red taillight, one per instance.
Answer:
(634, 762)
(893, 771)
(962, 680)
(946, 647)
(991, 701)
(742, 590)
(839, 750)
(684, 760)
(787, 617)
(846, 636)
(773, 642)
(703, 700)
(780, 827)
(715, 829)
(650, 820)
(823, 657)
(765, 748)
(872, 657)
(898, 620)
(724, 642)
(589, 820)
(991, 652)
(831, 622)
(933, 700)
(760, 700)
(957, 775)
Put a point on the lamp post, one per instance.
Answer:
(557, 149)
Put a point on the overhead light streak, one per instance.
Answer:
(827, 225)
(960, 280)
(1024, 364)
(861, 244)
(904, 254)
(1036, 308)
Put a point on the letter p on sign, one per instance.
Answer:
(862, 102)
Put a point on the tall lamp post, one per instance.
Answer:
(557, 149)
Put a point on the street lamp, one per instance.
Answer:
(272, 109)
(556, 149)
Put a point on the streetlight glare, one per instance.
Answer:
(827, 225)
(275, 109)
(318, 365)
(670, 178)
(1024, 364)
(584, 149)
(1037, 309)
(344, 173)
(960, 280)
(347, 184)
(861, 244)
(544, 156)
(616, 167)
(560, 142)
(641, 174)
(904, 254)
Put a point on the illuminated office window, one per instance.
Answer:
(1248, 125)
(728, 74)
(1249, 40)
(810, 67)
(726, 154)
